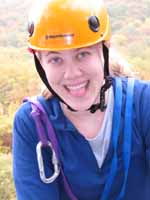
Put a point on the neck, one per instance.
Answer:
(87, 123)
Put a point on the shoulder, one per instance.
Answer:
(23, 124)
(141, 95)
(141, 89)
(141, 102)
(23, 112)
(51, 106)
(142, 105)
(24, 120)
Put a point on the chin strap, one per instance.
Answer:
(102, 105)
(108, 81)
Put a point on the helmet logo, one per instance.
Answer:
(31, 28)
(94, 23)
(47, 37)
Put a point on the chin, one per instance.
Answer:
(80, 105)
(79, 108)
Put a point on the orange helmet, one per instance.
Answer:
(66, 24)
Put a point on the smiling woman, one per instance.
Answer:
(70, 74)
(92, 137)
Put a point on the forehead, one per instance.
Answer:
(70, 51)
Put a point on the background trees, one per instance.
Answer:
(18, 78)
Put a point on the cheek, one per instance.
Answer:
(51, 73)
(96, 68)
(53, 76)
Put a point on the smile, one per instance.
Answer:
(77, 89)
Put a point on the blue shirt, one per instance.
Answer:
(86, 179)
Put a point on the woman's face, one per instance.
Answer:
(76, 75)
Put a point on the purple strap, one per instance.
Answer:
(40, 117)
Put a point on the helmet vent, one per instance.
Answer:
(31, 28)
(94, 23)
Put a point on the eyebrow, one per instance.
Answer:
(57, 52)
(78, 49)
(52, 52)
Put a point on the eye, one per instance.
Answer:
(82, 55)
(55, 60)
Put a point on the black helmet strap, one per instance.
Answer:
(108, 81)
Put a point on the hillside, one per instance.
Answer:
(18, 78)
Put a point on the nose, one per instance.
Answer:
(72, 71)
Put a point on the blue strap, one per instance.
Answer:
(127, 134)
(115, 136)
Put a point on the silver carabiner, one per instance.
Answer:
(41, 164)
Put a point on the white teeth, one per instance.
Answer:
(77, 87)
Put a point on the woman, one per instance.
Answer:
(101, 139)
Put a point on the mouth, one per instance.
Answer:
(78, 90)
